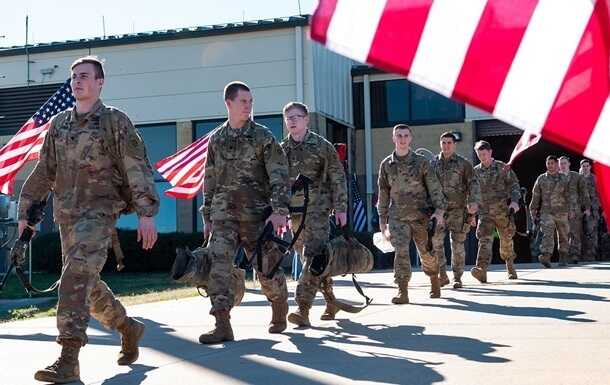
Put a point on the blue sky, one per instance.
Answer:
(57, 20)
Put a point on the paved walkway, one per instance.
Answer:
(548, 327)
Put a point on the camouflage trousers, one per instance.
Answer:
(590, 241)
(312, 241)
(549, 224)
(575, 235)
(226, 238)
(485, 234)
(457, 229)
(84, 247)
(401, 232)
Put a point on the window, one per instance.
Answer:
(160, 142)
(400, 101)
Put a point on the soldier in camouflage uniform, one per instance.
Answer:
(246, 171)
(313, 156)
(551, 205)
(590, 244)
(90, 153)
(581, 206)
(498, 186)
(407, 186)
(463, 193)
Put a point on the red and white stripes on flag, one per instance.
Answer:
(526, 141)
(540, 65)
(185, 169)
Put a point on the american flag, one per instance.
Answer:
(359, 219)
(26, 143)
(540, 65)
(185, 169)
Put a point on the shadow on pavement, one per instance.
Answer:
(485, 290)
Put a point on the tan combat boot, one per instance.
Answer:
(278, 318)
(545, 260)
(435, 287)
(510, 268)
(329, 312)
(479, 274)
(457, 282)
(65, 369)
(403, 295)
(442, 275)
(222, 332)
(300, 317)
(131, 333)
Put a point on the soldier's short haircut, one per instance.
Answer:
(551, 157)
(585, 161)
(448, 134)
(233, 88)
(297, 105)
(482, 145)
(564, 157)
(402, 126)
(98, 64)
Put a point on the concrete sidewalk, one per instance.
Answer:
(548, 327)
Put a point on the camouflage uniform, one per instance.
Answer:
(317, 159)
(579, 200)
(497, 187)
(551, 201)
(78, 162)
(590, 245)
(246, 171)
(461, 187)
(406, 187)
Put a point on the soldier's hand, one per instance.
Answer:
(473, 208)
(341, 218)
(207, 230)
(21, 225)
(514, 206)
(588, 212)
(440, 218)
(383, 228)
(571, 215)
(147, 232)
(278, 221)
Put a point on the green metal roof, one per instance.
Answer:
(169, 34)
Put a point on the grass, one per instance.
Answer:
(130, 288)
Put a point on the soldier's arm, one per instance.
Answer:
(336, 174)
(209, 181)
(42, 179)
(137, 168)
(474, 187)
(434, 187)
(583, 193)
(512, 185)
(276, 165)
(535, 202)
(383, 195)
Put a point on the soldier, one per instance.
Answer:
(580, 204)
(590, 245)
(551, 205)
(246, 171)
(311, 155)
(95, 162)
(463, 193)
(499, 185)
(407, 185)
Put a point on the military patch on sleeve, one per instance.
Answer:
(135, 145)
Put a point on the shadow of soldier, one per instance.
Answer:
(137, 374)
(489, 291)
(517, 311)
(569, 284)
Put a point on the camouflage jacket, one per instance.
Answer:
(579, 194)
(497, 187)
(317, 159)
(551, 194)
(246, 170)
(458, 181)
(79, 162)
(406, 187)
(591, 185)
